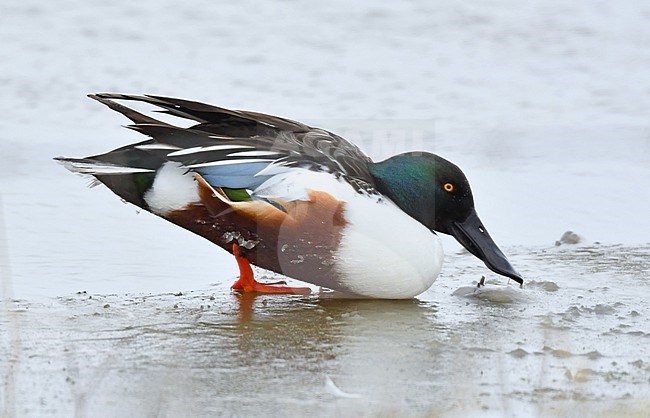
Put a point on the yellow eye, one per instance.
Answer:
(448, 187)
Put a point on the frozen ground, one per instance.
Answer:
(106, 312)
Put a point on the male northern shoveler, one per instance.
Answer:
(296, 200)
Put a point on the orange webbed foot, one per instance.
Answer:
(247, 283)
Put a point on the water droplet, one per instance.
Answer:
(248, 244)
(299, 260)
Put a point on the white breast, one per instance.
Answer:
(384, 253)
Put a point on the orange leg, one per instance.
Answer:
(247, 282)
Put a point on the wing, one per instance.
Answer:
(231, 148)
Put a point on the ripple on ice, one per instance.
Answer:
(544, 285)
(492, 293)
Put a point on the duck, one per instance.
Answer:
(294, 199)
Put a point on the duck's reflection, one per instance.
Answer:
(245, 308)
(319, 328)
(367, 347)
(251, 352)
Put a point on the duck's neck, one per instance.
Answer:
(406, 180)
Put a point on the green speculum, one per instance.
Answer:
(237, 195)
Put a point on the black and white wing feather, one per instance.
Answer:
(229, 146)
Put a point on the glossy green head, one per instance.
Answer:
(436, 193)
(427, 187)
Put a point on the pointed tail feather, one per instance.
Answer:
(135, 116)
(95, 167)
(129, 183)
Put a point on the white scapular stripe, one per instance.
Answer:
(229, 162)
(156, 146)
(253, 154)
(196, 150)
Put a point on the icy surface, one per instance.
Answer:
(543, 104)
